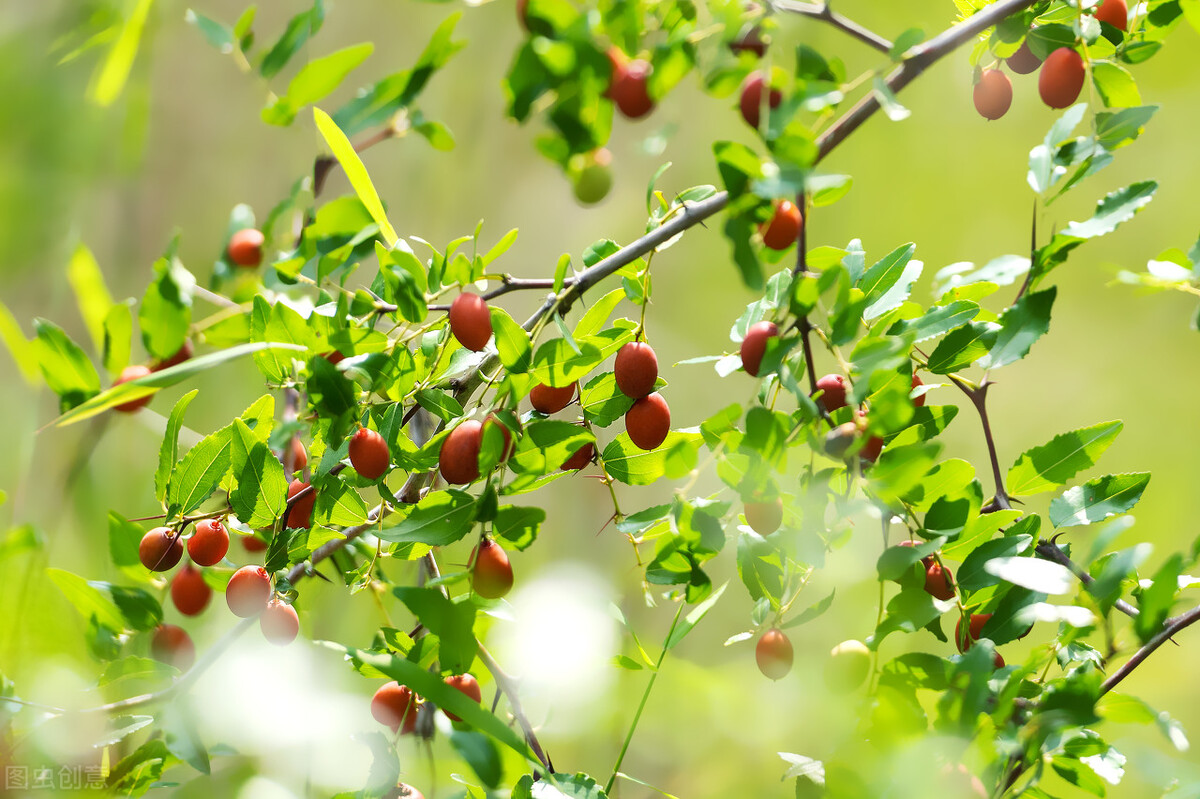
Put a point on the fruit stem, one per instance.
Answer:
(509, 687)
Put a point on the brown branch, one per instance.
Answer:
(825, 13)
(978, 397)
(507, 284)
(1172, 627)
(1048, 550)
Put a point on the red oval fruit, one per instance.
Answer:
(369, 454)
(1023, 61)
(491, 573)
(629, 88)
(774, 654)
(783, 228)
(129, 373)
(750, 40)
(648, 421)
(189, 592)
(209, 543)
(834, 392)
(494, 420)
(299, 455)
(636, 369)
(993, 94)
(919, 400)
(279, 623)
(755, 344)
(468, 685)
(403, 791)
(765, 518)
(248, 591)
(245, 247)
(300, 514)
(459, 459)
(616, 61)
(171, 644)
(582, 457)
(1061, 78)
(871, 449)
(547, 399)
(937, 581)
(160, 549)
(253, 543)
(965, 641)
(751, 99)
(182, 354)
(997, 661)
(1114, 12)
(470, 321)
(926, 561)
(335, 357)
(395, 705)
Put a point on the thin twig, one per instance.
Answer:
(1172, 627)
(507, 284)
(1048, 550)
(508, 685)
(827, 14)
(978, 397)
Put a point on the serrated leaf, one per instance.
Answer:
(168, 451)
(440, 518)
(261, 493)
(1054, 463)
(962, 347)
(1098, 499)
(197, 476)
(1021, 325)
(1114, 209)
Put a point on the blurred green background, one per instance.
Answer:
(185, 143)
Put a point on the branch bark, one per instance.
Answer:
(1172, 627)
(1048, 550)
(847, 26)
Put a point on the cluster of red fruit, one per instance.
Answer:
(396, 706)
(1062, 75)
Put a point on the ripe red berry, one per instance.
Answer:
(774, 654)
(751, 99)
(300, 514)
(395, 705)
(209, 543)
(749, 41)
(494, 421)
(128, 374)
(871, 449)
(926, 561)
(765, 518)
(784, 226)
(189, 592)
(299, 455)
(937, 580)
(470, 321)
(172, 645)
(965, 641)
(253, 543)
(839, 440)
(491, 573)
(279, 623)
(833, 388)
(629, 88)
(403, 791)
(458, 460)
(1114, 12)
(248, 591)
(182, 354)
(1023, 61)
(582, 457)
(245, 247)
(369, 454)
(755, 344)
(160, 549)
(468, 685)
(1061, 78)
(648, 421)
(636, 369)
(547, 399)
(993, 94)
(334, 357)
(919, 400)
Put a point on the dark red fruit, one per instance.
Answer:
(174, 646)
(833, 388)
(209, 543)
(248, 591)
(254, 543)
(993, 94)
(629, 90)
(1023, 61)
(751, 99)
(160, 549)
(918, 401)
(369, 454)
(547, 399)
(470, 321)
(468, 685)
(184, 353)
(189, 592)
(749, 41)
(279, 623)
(937, 581)
(765, 518)
(784, 226)
(128, 374)
(1114, 12)
(491, 573)
(299, 455)
(636, 369)
(926, 561)
(493, 420)
(301, 513)
(965, 641)
(395, 705)
(459, 459)
(333, 357)
(1061, 78)
(403, 791)
(755, 344)
(648, 421)
(582, 457)
(870, 450)
(774, 654)
(245, 247)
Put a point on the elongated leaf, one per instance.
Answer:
(356, 173)
(110, 76)
(937, 321)
(67, 370)
(441, 518)
(114, 606)
(91, 294)
(692, 619)
(299, 28)
(1020, 326)
(23, 350)
(1037, 575)
(512, 342)
(1098, 499)
(1114, 209)
(885, 273)
(626, 462)
(1052, 464)
(168, 451)
(557, 364)
(316, 79)
(201, 471)
(962, 347)
(261, 492)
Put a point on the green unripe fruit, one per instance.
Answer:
(848, 666)
(839, 440)
(593, 177)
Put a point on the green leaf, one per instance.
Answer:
(168, 451)
(118, 337)
(216, 34)
(1052, 464)
(315, 80)
(113, 606)
(299, 28)
(67, 370)
(440, 518)
(593, 321)
(886, 273)
(1021, 325)
(602, 402)
(1035, 574)
(518, 526)
(557, 364)
(166, 310)
(23, 350)
(1098, 499)
(937, 321)
(481, 755)
(200, 472)
(330, 391)
(356, 173)
(91, 294)
(624, 461)
(1116, 86)
(261, 493)
(512, 342)
(110, 76)
(182, 737)
(692, 619)
(963, 346)
(1114, 209)
(450, 621)
(440, 403)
